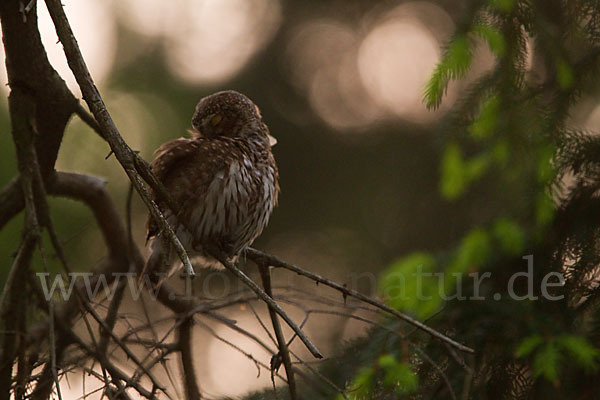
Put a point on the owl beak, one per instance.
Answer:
(272, 141)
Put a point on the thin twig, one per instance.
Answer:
(257, 363)
(262, 324)
(52, 330)
(111, 316)
(227, 322)
(88, 118)
(118, 341)
(115, 372)
(439, 370)
(245, 333)
(322, 377)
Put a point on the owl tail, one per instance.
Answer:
(161, 264)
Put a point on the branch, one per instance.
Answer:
(267, 299)
(89, 120)
(283, 348)
(261, 258)
(123, 153)
(192, 392)
(30, 72)
(105, 325)
(123, 347)
(11, 201)
(111, 317)
(243, 332)
(92, 191)
(13, 305)
(115, 372)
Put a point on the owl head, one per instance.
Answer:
(231, 114)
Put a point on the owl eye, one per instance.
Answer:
(215, 119)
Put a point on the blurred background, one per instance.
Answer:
(340, 84)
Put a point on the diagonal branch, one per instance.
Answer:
(265, 275)
(262, 258)
(122, 151)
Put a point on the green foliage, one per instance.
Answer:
(458, 173)
(454, 65)
(458, 58)
(473, 251)
(546, 360)
(362, 385)
(548, 354)
(515, 120)
(546, 172)
(510, 236)
(501, 152)
(409, 285)
(564, 74)
(493, 37)
(398, 375)
(528, 345)
(505, 6)
(544, 209)
(586, 355)
(484, 124)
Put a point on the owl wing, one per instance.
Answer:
(186, 167)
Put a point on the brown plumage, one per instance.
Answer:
(224, 179)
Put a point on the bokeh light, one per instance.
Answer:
(94, 27)
(355, 75)
(136, 117)
(592, 122)
(208, 41)
(395, 61)
(93, 24)
(239, 374)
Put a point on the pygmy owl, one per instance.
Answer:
(224, 179)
